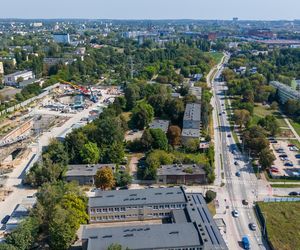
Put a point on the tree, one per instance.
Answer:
(23, 237)
(146, 140)
(123, 179)
(142, 115)
(210, 196)
(90, 153)
(174, 135)
(270, 123)
(74, 142)
(266, 158)
(160, 140)
(104, 178)
(131, 95)
(114, 153)
(57, 153)
(175, 109)
(274, 106)
(192, 145)
(255, 139)
(241, 117)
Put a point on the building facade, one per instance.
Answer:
(84, 174)
(13, 79)
(285, 92)
(187, 174)
(186, 223)
(62, 38)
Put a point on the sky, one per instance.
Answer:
(152, 9)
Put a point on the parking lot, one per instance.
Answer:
(287, 161)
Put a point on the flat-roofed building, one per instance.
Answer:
(13, 79)
(161, 124)
(285, 92)
(84, 174)
(196, 91)
(187, 174)
(192, 116)
(190, 226)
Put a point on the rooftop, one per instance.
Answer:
(179, 169)
(192, 112)
(161, 124)
(86, 169)
(190, 132)
(19, 73)
(137, 196)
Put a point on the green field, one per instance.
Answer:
(285, 185)
(296, 126)
(260, 112)
(283, 225)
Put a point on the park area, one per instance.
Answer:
(283, 227)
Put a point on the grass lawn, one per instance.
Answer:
(217, 56)
(296, 126)
(283, 225)
(260, 112)
(285, 185)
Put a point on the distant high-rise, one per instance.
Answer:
(235, 19)
(61, 38)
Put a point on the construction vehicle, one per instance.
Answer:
(94, 98)
(81, 89)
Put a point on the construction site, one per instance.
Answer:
(61, 108)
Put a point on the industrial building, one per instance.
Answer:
(285, 92)
(186, 221)
(84, 174)
(186, 174)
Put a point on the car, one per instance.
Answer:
(246, 242)
(245, 202)
(229, 135)
(283, 155)
(5, 219)
(275, 170)
(238, 174)
(288, 164)
(135, 130)
(236, 163)
(274, 141)
(235, 213)
(297, 156)
(293, 193)
(252, 226)
(220, 113)
(223, 112)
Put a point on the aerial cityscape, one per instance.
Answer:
(123, 128)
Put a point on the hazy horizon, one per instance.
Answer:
(263, 10)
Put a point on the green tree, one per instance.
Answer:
(160, 140)
(142, 115)
(241, 117)
(123, 179)
(192, 145)
(115, 153)
(90, 153)
(210, 196)
(104, 178)
(266, 158)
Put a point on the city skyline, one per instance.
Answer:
(167, 9)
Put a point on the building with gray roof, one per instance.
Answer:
(84, 173)
(189, 227)
(186, 174)
(285, 92)
(161, 124)
(196, 91)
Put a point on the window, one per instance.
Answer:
(104, 210)
(178, 206)
(117, 209)
(161, 206)
(117, 217)
(111, 209)
(93, 218)
(123, 209)
(122, 216)
(99, 210)
(167, 206)
(161, 214)
(92, 210)
(155, 207)
(172, 206)
(99, 218)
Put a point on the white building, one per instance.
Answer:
(12, 79)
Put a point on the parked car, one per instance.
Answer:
(229, 135)
(235, 213)
(5, 219)
(274, 141)
(293, 193)
(238, 174)
(252, 226)
(288, 164)
(236, 163)
(297, 156)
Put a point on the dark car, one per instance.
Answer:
(252, 226)
(293, 193)
(238, 174)
(229, 135)
(297, 156)
(236, 163)
(245, 202)
(5, 219)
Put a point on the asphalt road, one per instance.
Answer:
(236, 189)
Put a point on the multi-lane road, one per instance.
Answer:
(229, 161)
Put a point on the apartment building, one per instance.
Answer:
(191, 122)
(285, 92)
